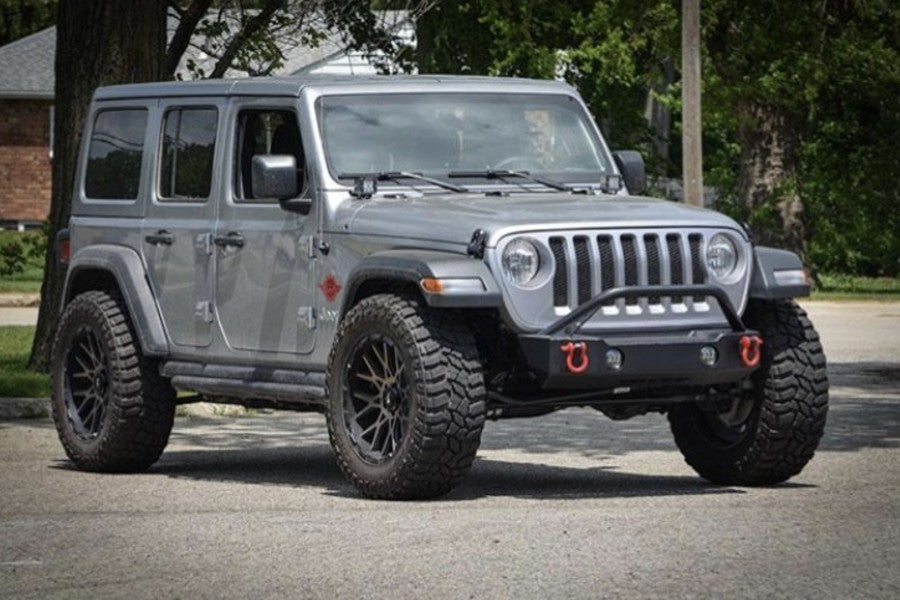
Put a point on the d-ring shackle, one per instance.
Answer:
(577, 360)
(750, 350)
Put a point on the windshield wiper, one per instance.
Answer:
(396, 176)
(503, 173)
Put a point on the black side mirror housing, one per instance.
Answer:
(275, 176)
(631, 165)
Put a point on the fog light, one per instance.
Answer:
(709, 356)
(614, 359)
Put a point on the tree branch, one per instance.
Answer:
(182, 36)
(254, 25)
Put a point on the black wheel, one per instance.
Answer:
(405, 399)
(112, 409)
(771, 428)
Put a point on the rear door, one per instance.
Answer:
(264, 265)
(177, 240)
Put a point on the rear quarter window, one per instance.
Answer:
(188, 147)
(115, 154)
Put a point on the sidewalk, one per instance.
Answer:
(18, 315)
(19, 300)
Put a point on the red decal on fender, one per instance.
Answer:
(330, 287)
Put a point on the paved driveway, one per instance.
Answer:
(568, 505)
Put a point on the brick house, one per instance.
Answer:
(26, 116)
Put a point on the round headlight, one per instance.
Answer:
(721, 256)
(521, 261)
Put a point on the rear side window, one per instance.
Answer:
(115, 154)
(188, 145)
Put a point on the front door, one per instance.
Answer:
(264, 265)
(178, 224)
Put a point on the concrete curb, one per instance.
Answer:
(19, 300)
(39, 408)
(24, 408)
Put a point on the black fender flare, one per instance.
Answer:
(777, 274)
(415, 265)
(126, 267)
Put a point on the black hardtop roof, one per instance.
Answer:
(292, 86)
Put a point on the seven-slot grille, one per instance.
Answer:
(605, 261)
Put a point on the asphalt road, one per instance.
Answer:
(568, 505)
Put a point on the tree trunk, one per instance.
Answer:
(98, 42)
(767, 190)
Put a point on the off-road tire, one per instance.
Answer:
(446, 390)
(140, 404)
(790, 393)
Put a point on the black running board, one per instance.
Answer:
(239, 383)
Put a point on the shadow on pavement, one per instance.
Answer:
(293, 450)
(314, 467)
(864, 408)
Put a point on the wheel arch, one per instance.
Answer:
(404, 270)
(119, 270)
(777, 274)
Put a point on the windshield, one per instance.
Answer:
(436, 134)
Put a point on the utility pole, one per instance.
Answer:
(692, 149)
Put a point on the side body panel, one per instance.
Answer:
(264, 288)
(181, 271)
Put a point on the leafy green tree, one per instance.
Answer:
(809, 90)
(19, 18)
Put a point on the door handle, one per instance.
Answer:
(233, 239)
(161, 237)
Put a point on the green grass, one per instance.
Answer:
(28, 282)
(849, 287)
(15, 380)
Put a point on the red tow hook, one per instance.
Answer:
(750, 353)
(577, 360)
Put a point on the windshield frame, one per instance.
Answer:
(475, 184)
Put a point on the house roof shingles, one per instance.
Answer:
(26, 66)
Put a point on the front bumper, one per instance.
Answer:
(566, 358)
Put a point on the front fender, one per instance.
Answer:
(777, 274)
(476, 287)
(125, 265)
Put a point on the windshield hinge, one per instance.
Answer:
(477, 244)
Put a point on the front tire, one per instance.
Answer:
(112, 409)
(773, 427)
(406, 399)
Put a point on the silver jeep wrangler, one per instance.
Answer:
(412, 256)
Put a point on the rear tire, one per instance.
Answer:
(774, 427)
(406, 399)
(112, 409)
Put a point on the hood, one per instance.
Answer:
(452, 218)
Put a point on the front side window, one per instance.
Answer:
(439, 134)
(188, 145)
(115, 153)
(265, 132)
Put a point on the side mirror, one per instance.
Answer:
(274, 176)
(631, 165)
